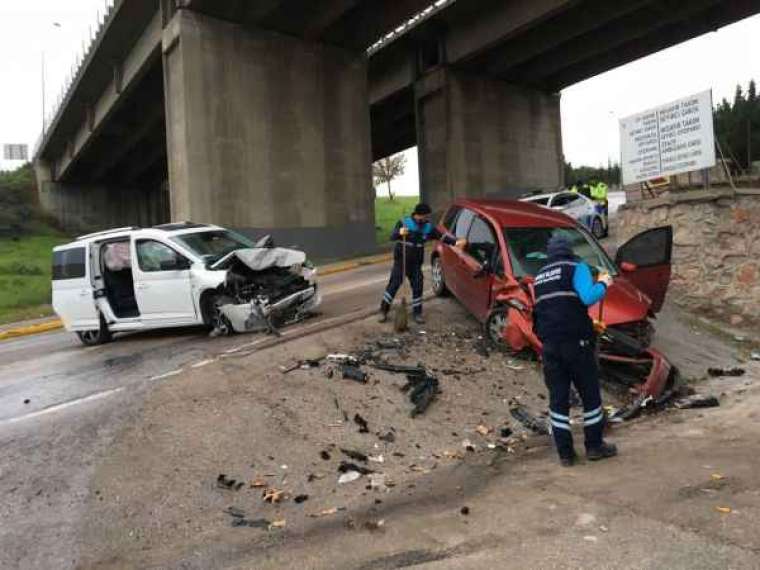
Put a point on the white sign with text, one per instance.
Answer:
(671, 139)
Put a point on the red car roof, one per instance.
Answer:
(516, 214)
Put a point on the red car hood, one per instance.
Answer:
(623, 303)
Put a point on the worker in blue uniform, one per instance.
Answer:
(564, 290)
(411, 233)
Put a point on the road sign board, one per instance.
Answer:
(15, 152)
(670, 139)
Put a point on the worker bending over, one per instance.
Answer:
(411, 233)
(564, 289)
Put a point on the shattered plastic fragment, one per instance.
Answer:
(353, 454)
(349, 476)
(717, 477)
(277, 524)
(716, 372)
(376, 458)
(362, 423)
(697, 401)
(342, 359)
(351, 372)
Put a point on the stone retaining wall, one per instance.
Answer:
(716, 249)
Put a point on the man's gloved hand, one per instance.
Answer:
(404, 231)
(461, 243)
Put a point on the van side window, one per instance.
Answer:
(69, 263)
(156, 256)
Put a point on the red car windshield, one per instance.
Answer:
(527, 249)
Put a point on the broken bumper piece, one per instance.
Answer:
(649, 374)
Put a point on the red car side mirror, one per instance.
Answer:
(628, 267)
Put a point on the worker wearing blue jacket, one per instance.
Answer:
(564, 290)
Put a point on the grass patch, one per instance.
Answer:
(388, 212)
(25, 266)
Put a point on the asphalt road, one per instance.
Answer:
(49, 373)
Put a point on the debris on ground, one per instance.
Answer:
(272, 495)
(373, 525)
(349, 476)
(26, 401)
(324, 455)
(697, 401)
(327, 512)
(505, 432)
(465, 510)
(239, 519)
(352, 372)
(423, 394)
(724, 510)
(343, 359)
(528, 420)
(223, 482)
(345, 467)
(298, 499)
(258, 483)
(483, 430)
(755, 355)
(362, 423)
(355, 455)
(718, 372)
(388, 437)
(376, 458)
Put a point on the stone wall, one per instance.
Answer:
(716, 249)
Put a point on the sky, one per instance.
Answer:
(591, 109)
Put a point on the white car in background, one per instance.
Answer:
(576, 206)
(180, 274)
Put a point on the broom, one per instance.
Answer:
(400, 315)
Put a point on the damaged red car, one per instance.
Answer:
(493, 278)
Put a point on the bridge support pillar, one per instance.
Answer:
(268, 134)
(78, 207)
(479, 137)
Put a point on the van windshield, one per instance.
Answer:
(527, 249)
(213, 245)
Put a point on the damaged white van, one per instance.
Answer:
(180, 274)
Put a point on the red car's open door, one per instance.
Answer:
(645, 261)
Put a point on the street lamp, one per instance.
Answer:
(44, 125)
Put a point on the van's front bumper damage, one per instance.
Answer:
(259, 315)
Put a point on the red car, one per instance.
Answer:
(493, 279)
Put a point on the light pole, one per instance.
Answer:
(44, 125)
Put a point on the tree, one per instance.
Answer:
(387, 169)
(18, 199)
(737, 126)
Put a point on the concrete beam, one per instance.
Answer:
(144, 53)
(266, 132)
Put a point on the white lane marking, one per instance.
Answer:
(64, 405)
(166, 375)
(203, 363)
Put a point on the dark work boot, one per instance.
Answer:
(604, 451)
(418, 318)
(383, 318)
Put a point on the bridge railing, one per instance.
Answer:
(77, 68)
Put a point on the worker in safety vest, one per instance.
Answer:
(564, 290)
(599, 195)
(411, 233)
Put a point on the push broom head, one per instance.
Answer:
(400, 317)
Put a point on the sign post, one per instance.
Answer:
(668, 140)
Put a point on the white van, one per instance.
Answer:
(181, 274)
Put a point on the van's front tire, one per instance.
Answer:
(96, 336)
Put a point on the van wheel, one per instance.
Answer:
(96, 336)
(439, 283)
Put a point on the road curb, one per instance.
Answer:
(330, 269)
(38, 328)
(342, 266)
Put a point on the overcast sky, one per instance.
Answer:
(590, 110)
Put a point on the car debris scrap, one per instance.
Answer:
(719, 372)
(353, 372)
(528, 420)
(697, 401)
(223, 482)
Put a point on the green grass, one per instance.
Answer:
(25, 267)
(388, 212)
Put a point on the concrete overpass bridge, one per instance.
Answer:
(265, 115)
